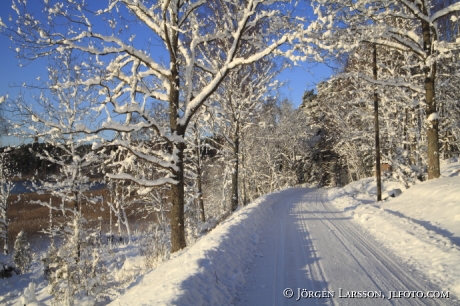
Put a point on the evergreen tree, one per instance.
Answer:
(309, 101)
(22, 254)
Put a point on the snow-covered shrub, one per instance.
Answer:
(155, 246)
(131, 269)
(22, 256)
(48, 258)
(75, 270)
(210, 224)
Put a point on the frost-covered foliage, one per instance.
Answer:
(75, 270)
(410, 29)
(155, 246)
(237, 106)
(200, 43)
(22, 256)
(274, 150)
(346, 104)
(121, 196)
(55, 118)
(72, 264)
(265, 162)
(449, 108)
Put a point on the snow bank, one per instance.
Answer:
(210, 271)
(421, 226)
(435, 203)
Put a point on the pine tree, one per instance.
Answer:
(22, 254)
(309, 101)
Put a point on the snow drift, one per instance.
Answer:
(210, 271)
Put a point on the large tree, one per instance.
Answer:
(145, 52)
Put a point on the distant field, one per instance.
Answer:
(33, 218)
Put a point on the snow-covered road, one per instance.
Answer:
(310, 247)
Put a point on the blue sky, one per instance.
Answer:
(12, 76)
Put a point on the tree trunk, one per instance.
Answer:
(430, 110)
(177, 194)
(446, 146)
(200, 198)
(5, 241)
(236, 148)
(376, 127)
(119, 219)
(198, 176)
(433, 148)
(405, 134)
(177, 190)
(245, 188)
(51, 226)
(77, 214)
(178, 201)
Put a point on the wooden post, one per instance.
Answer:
(376, 127)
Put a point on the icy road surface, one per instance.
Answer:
(307, 244)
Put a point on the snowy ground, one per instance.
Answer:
(421, 226)
(329, 242)
(317, 252)
(303, 238)
(211, 271)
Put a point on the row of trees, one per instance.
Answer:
(417, 61)
(194, 127)
(418, 40)
(147, 107)
(201, 41)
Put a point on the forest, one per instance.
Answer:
(173, 108)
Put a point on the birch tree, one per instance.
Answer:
(154, 51)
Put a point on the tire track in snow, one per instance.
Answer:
(387, 272)
(309, 255)
(308, 244)
(315, 268)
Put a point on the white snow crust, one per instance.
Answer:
(209, 272)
